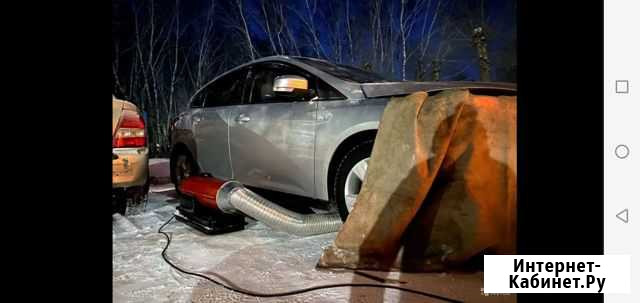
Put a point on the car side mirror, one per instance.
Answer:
(291, 85)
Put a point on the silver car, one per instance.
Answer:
(291, 124)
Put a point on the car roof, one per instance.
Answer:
(370, 90)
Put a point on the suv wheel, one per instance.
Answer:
(182, 168)
(119, 202)
(350, 177)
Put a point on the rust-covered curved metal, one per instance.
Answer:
(443, 193)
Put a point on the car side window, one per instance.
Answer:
(227, 90)
(326, 92)
(198, 100)
(263, 75)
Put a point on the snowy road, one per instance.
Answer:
(256, 258)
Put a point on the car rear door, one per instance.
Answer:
(272, 139)
(212, 123)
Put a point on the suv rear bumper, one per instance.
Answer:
(130, 167)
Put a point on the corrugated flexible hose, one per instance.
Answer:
(233, 197)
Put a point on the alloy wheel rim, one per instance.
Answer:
(353, 184)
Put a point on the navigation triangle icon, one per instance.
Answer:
(623, 215)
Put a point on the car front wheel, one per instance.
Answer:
(350, 177)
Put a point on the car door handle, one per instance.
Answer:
(242, 118)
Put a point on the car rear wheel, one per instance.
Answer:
(182, 167)
(130, 201)
(119, 202)
(350, 177)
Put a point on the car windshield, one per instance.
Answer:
(344, 72)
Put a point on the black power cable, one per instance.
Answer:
(287, 293)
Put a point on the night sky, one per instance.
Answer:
(499, 15)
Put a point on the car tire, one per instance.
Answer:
(182, 167)
(147, 185)
(119, 203)
(355, 155)
(136, 199)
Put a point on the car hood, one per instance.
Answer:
(387, 89)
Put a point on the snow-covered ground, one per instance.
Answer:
(257, 259)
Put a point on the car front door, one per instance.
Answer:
(272, 137)
(212, 125)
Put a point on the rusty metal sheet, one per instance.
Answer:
(440, 188)
(386, 89)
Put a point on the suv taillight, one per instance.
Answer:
(131, 131)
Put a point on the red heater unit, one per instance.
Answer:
(198, 207)
(202, 188)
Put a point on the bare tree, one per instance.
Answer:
(474, 27)
(268, 18)
(338, 32)
(408, 18)
(349, 32)
(206, 49)
(155, 66)
(307, 17)
(174, 69)
(479, 39)
(390, 41)
(245, 30)
(375, 28)
(382, 38)
(115, 67)
(429, 29)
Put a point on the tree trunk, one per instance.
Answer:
(404, 40)
(479, 40)
(420, 70)
(435, 70)
(246, 30)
